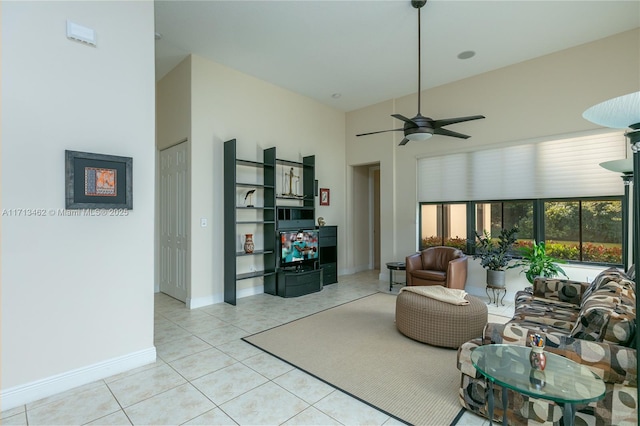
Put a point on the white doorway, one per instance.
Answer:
(374, 200)
(174, 259)
(366, 217)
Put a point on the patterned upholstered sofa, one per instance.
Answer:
(590, 323)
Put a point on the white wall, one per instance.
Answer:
(225, 105)
(77, 292)
(533, 100)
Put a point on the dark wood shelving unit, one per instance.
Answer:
(268, 221)
(271, 218)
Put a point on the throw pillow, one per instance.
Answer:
(601, 279)
(608, 314)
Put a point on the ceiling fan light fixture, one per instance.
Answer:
(419, 136)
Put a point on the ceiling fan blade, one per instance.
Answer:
(381, 131)
(403, 142)
(445, 132)
(447, 121)
(405, 119)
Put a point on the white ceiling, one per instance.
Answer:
(367, 50)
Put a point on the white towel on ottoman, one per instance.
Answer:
(443, 294)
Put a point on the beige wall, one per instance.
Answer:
(173, 106)
(226, 104)
(533, 100)
(77, 292)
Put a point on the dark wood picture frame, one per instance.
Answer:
(98, 181)
(325, 196)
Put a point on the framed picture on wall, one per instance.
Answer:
(97, 181)
(324, 196)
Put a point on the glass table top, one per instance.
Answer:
(563, 381)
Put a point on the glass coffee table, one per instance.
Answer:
(562, 381)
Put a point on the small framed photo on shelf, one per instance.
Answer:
(324, 196)
(97, 181)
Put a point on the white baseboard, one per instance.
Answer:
(30, 392)
(199, 302)
(353, 270)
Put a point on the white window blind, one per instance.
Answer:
(443, 178)
(552, 169)
(570, 168)
(503, 173)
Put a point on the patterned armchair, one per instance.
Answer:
(592, 324)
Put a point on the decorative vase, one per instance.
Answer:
(495, 278)
(538, 358)
(248, 243)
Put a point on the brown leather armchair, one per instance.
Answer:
(445, 266)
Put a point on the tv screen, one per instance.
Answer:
(298, 247)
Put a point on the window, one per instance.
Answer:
(553, 190)
(584, 230)
(498, 215)
(443, 225)
(579, 230)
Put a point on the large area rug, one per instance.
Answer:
(356, 347)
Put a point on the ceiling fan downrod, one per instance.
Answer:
(418, 5)
(420, 128)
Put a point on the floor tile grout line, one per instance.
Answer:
(253, 307)
(117, 401)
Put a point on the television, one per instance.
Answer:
(298, 248)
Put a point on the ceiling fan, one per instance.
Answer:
(420, 128)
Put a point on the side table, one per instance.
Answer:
(563, 381)
(395, 266)
(496, 293)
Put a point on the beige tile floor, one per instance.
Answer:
(206, 375)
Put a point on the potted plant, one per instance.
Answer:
(537, 263)
(495, 254)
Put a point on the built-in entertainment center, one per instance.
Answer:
(262, 201)
(298, 268)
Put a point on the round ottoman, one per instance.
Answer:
(439, 323)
